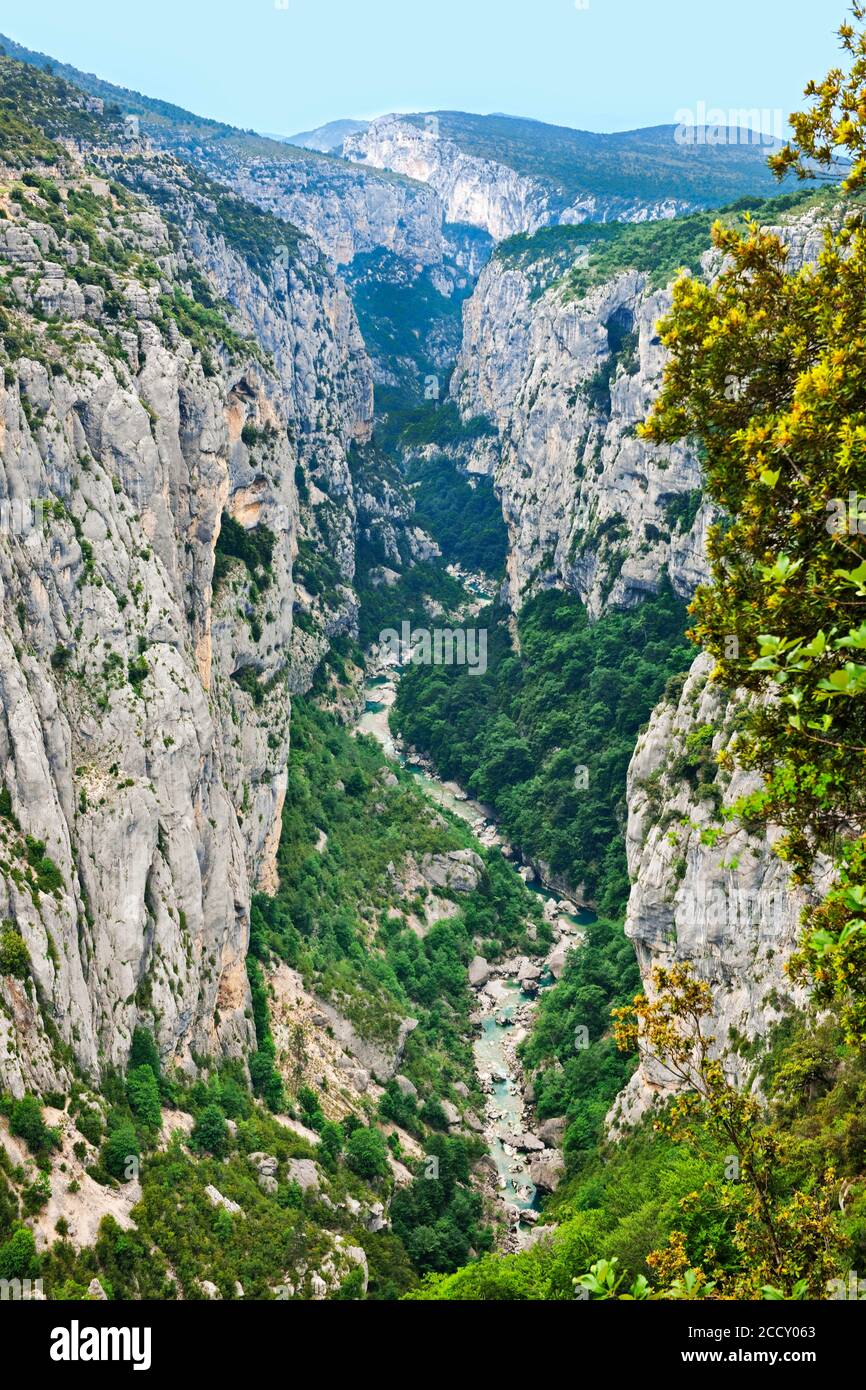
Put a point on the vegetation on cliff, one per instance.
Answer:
(546, 734)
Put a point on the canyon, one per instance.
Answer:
(231, 368)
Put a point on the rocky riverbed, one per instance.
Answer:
(525, 1158)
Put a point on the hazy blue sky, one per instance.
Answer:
(612, 66)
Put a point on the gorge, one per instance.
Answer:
(327, 975)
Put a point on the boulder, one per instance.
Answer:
(406, 1087)
(546, 1171)
(479, 972)
(265, 1164)
(357, 1256)
(528, 971)
(556, 960)
(527, 1143)
(216, 1198)
(553, 1131)
(459, 871)
(305, 1173)
(375, 1219)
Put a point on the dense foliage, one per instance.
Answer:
(406, 321)
(545, 736)
(388, 605)
(342, 918)
(463, 517)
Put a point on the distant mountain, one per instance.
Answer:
(345, 208)
(328, 139)
(161, 120)
(699, 165)
(403, 176)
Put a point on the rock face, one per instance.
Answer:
(72, 1194)
(216, 1199)
(143, 772)
(565, 377)
(589, 507)
(483, 192)
(728, 911)
(377, 1056)
(344, 209)
(458, 871)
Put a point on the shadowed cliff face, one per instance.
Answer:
(588, 505)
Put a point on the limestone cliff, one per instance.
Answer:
(346, 210)
(484, 192)
(727, 908)
(566, 370)
(157, 378)
(566, 380)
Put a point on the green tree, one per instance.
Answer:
(143, 1051)
(330, 1143)
(14, 956)
(211, 1134)
(366, 1154)
(142, 1092)
(783, 1237)
(768, 372)
(121, 1151)
(18, 1259)
(27, 1123)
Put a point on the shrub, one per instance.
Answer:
(142, 1092)
(366, 1154)
(211, 1133)
(14, 956)
(18, 1256)
(27, 1123)
(120, 1147)
(143, 1051)
(89, 1123)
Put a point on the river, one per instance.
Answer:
(504, 1008)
